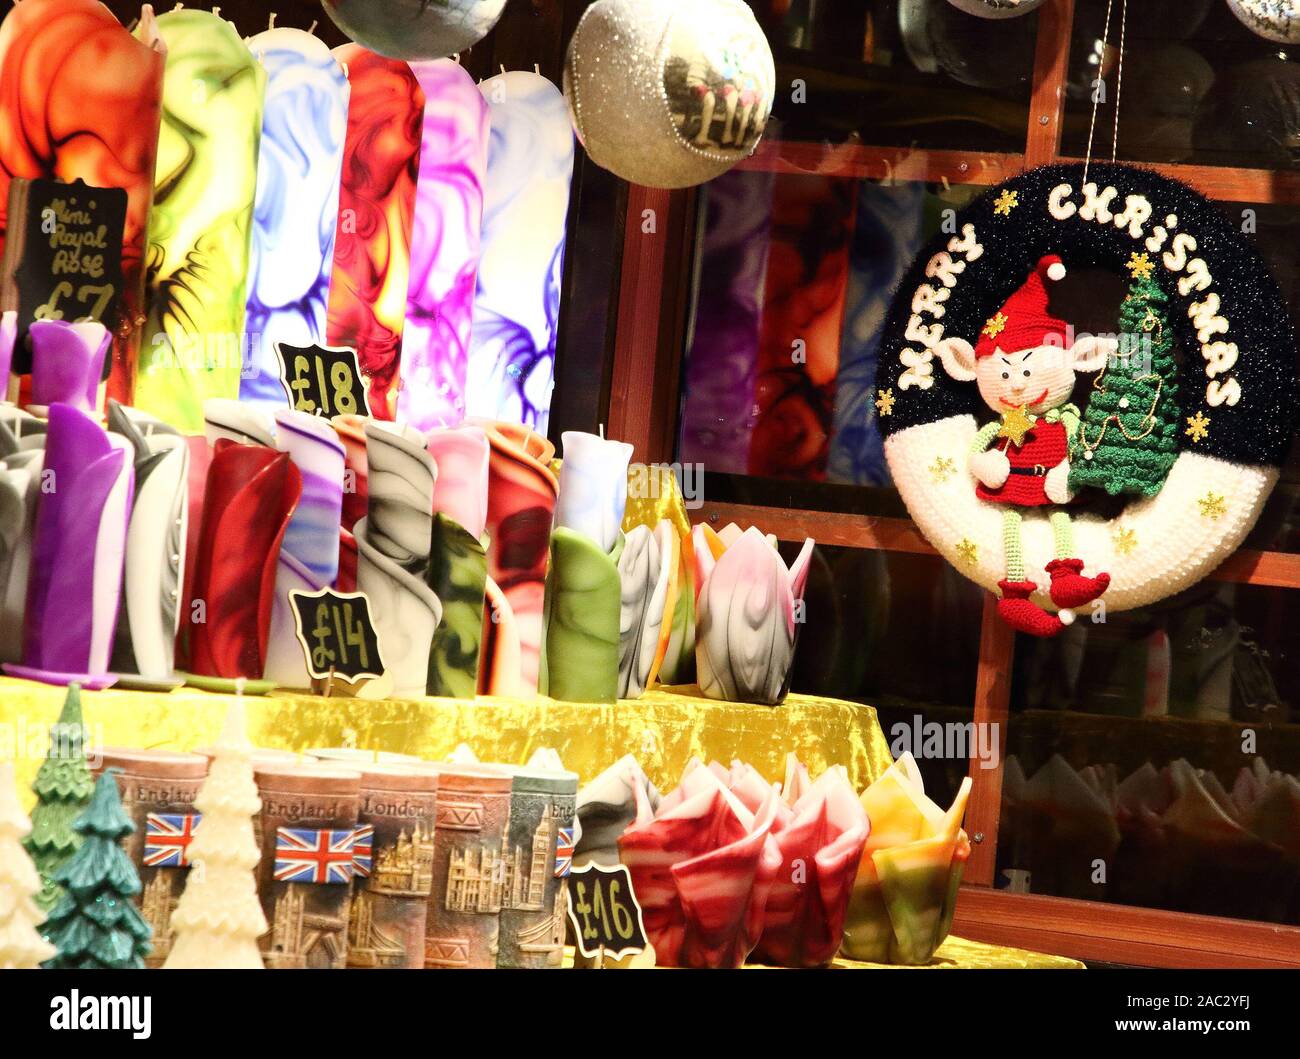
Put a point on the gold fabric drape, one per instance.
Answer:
(663, 730)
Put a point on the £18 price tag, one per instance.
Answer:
(323, 380)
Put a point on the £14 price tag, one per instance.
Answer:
(323, 380)
(337, 634)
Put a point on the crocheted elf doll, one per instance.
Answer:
(1026, 374)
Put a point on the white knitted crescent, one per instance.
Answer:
(1173, 543)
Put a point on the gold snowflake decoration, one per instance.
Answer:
(995, 325)
(1126, 540)
(1006, 202)
(967, 551)
(943, 468)
(1198, 426)
(885, 402)
(1213, 506)
(1140, 266)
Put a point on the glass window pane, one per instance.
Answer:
(1153, 760)
(899, 72)
(1197, 87)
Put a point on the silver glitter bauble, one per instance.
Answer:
(1277, 20)
(996, 8)
(415, 29)
(669, 93)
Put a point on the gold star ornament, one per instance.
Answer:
(967, 551)
(943, 468)
(1140, 266)
(885, 402)
(1006, 202)
(995, 325)
(1213, 506)
(1015, 425)
(1125, 540)
(1198, 427)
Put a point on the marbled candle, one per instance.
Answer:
(444, 246)
(292, 255)
(462, 456)
(372, 249)
(525, 213)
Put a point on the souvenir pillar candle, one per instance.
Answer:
(444, 246)
(393, 543)
(158, 788)
(309, 555)
(580, 656)
(540, 857)
(458, 558)
(372, 249)
(80, 97)
(390, 898)
(292, 254)
(309, 838)
(78, 549)
(202, 212)
(470, 847)
(521, 505)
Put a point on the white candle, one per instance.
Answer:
(593, 487)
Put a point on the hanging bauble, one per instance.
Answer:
(939, 37)
(996, 8)
(669, 93)
(415, 29)
(1277, 20)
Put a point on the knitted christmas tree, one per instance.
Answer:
(219, 917)
(21, 945)
(1129, 437)
(95, 925)
(62, 787)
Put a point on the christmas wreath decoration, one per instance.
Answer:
(1195, 442)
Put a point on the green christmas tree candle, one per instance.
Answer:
(62, 787)
(95, 924)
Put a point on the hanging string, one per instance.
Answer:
(1100, 88)
(1119, 76)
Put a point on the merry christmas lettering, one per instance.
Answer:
(928, 305)
(1178, 247)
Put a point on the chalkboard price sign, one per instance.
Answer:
(323, 380)
(604, 912)
(337, 634)
(63, 257)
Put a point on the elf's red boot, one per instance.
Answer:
(1070, 588)
(1016, 609)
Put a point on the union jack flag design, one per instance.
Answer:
(564, 852)
(305, 855)
(167, 838)
(361, 850)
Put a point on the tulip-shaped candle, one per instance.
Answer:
(8, 336)
(580, 653)
(903, 899)
(393, 543)
(309, 556)
(747, 603)
(67, 362)
(155, 547)
(458, 558)
(78, 548)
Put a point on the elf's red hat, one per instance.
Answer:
(1024, 321)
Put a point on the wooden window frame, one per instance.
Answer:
(649, 346)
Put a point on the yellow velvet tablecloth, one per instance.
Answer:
(663, 730)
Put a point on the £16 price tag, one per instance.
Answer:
(604, 912)
(323, 380)
(337, 634)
